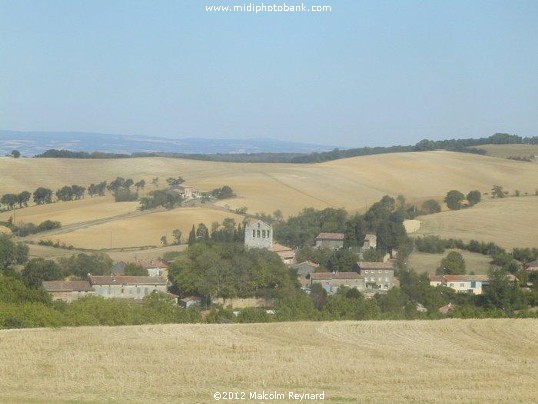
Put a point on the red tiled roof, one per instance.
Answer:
(67, 286)
(464, 278)
(149, 265)
(286, 254)
(280, 248)
(326, 276)
(330, 236)
(128, 280)
(374, 265)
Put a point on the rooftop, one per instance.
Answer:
(326, 276)
(374, 265)
(67, 286)
(128, 280)
(330, 236)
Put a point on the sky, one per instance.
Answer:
(366, 73)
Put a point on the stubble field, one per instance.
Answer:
(491, 360)
(508, 222)
(353, 184)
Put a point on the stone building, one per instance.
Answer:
(331, 281)
(333, 241)
(259, 235)
(377, 275)
(68, 291)
(127, 287)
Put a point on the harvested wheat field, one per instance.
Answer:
(425, 262)
(84, 210)
(352, 183)
(491, 360)
(509, 222)
(143, 229)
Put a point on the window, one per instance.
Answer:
(253, 233)
(258, 234)
(263, 233)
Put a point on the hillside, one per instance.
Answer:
(428, 361)
(508, 150)
(509, 222)
(351, 183)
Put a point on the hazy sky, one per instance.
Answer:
(367, 73)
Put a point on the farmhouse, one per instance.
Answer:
(331, 281)
(186, 191)
(259, 234)
(333, 241)
(68, 291)
(127, 287)
(461, 283)
(377, 275)
(155, 268)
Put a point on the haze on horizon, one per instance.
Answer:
(367, 73)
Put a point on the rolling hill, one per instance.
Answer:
(353, 183)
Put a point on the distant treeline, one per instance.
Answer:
(457, 145)
(67, 154)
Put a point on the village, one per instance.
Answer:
(367, 277)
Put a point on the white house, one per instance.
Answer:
(259, 234)
(461, 283)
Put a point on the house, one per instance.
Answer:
(377, 275)
(190, 301)
(461, 283)
(531, 266)
(286, 254)
(155, 268)
(305, 268)
(259, 234)
(127, 287)
(68, 291)
(186, 191)
(333, 241)
(331, 281)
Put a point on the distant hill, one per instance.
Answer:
(33, 143)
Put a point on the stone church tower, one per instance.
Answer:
(259, 235)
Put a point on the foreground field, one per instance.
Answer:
(376, 361)
(508, 222)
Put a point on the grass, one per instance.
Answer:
(508, 222)
(424, 262)
(491, 360)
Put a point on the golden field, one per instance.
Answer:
(72, 212)
(425, 262)
(350, 183)
(355, 183)
(491, 360)
(508, 222)
(138, 231)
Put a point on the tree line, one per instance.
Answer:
(468, 145)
